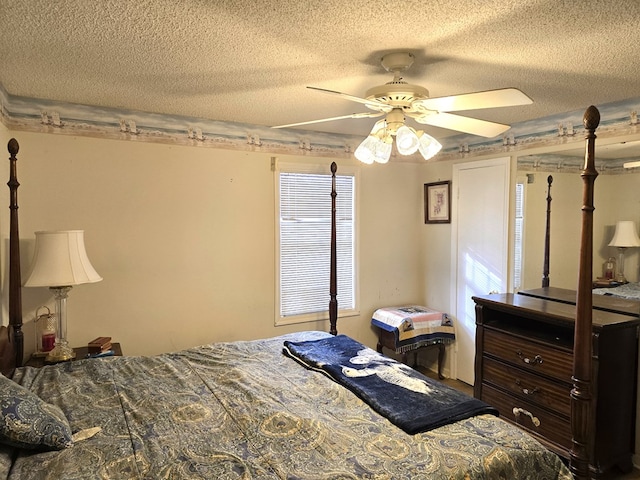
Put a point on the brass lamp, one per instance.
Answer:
(59, 262)
(624, 237)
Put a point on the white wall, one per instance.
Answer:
(184, 239)
(434, 256)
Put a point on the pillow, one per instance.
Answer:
(26, 421)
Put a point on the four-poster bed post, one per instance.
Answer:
(581, 392)
(333, 282)
(15, 283)
(547, 236)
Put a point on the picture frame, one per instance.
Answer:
(437, 202)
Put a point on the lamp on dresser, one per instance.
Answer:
(60, 261)
(624, 237)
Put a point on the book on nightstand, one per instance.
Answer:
(99, 345)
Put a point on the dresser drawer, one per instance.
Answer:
(529, 354)
(530, 417)
(534, 388)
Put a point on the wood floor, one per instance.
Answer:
(457, 384)
(468, 389)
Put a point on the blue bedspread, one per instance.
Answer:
(404, 396)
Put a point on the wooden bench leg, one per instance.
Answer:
(440, 360)
(384, 341)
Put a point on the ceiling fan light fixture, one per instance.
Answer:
(377, 146)
(374, 147)
(407, 141)
(427, 145)
(365, 150)
(383, 152)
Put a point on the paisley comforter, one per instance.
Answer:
(243, 410)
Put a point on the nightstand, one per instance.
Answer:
(81, 354)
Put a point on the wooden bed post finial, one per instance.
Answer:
(15, 282)
(581, 422)
(13, 147)
(591, 119)
(333, 278)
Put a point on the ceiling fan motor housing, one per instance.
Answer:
(395, 119)
(397, 94)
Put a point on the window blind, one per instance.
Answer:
(518, 237)
(305, 242)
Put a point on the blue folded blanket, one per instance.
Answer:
(408, 399)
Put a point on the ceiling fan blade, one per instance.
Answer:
(459, 123)
(353, 115)
(503, 97)
(373, 104)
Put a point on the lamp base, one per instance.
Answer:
(60, 353)
(620, 278)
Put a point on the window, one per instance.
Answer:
(518, 236)
(303, 218)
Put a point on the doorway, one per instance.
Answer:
(480, 229)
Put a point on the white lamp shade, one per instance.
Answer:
(625, 235)
(60, 259)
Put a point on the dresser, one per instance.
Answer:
(524, 364)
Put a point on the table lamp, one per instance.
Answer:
(60, 262)
(624, 237)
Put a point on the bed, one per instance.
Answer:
(262, 409)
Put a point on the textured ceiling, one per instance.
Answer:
(249, 61)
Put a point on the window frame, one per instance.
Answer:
(316, 169)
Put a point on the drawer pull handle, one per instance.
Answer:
(526, 391)
(517, 411)
(537, 360)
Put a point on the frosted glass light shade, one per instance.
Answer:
(383, 152)
(60, 259)
(428, 146)
(625, 235)
(365, 150)
(373, 149)
(406, 140)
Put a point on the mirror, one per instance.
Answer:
(616, 197)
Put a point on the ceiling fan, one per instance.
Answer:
(398, 99)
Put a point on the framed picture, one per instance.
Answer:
(437, 202)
